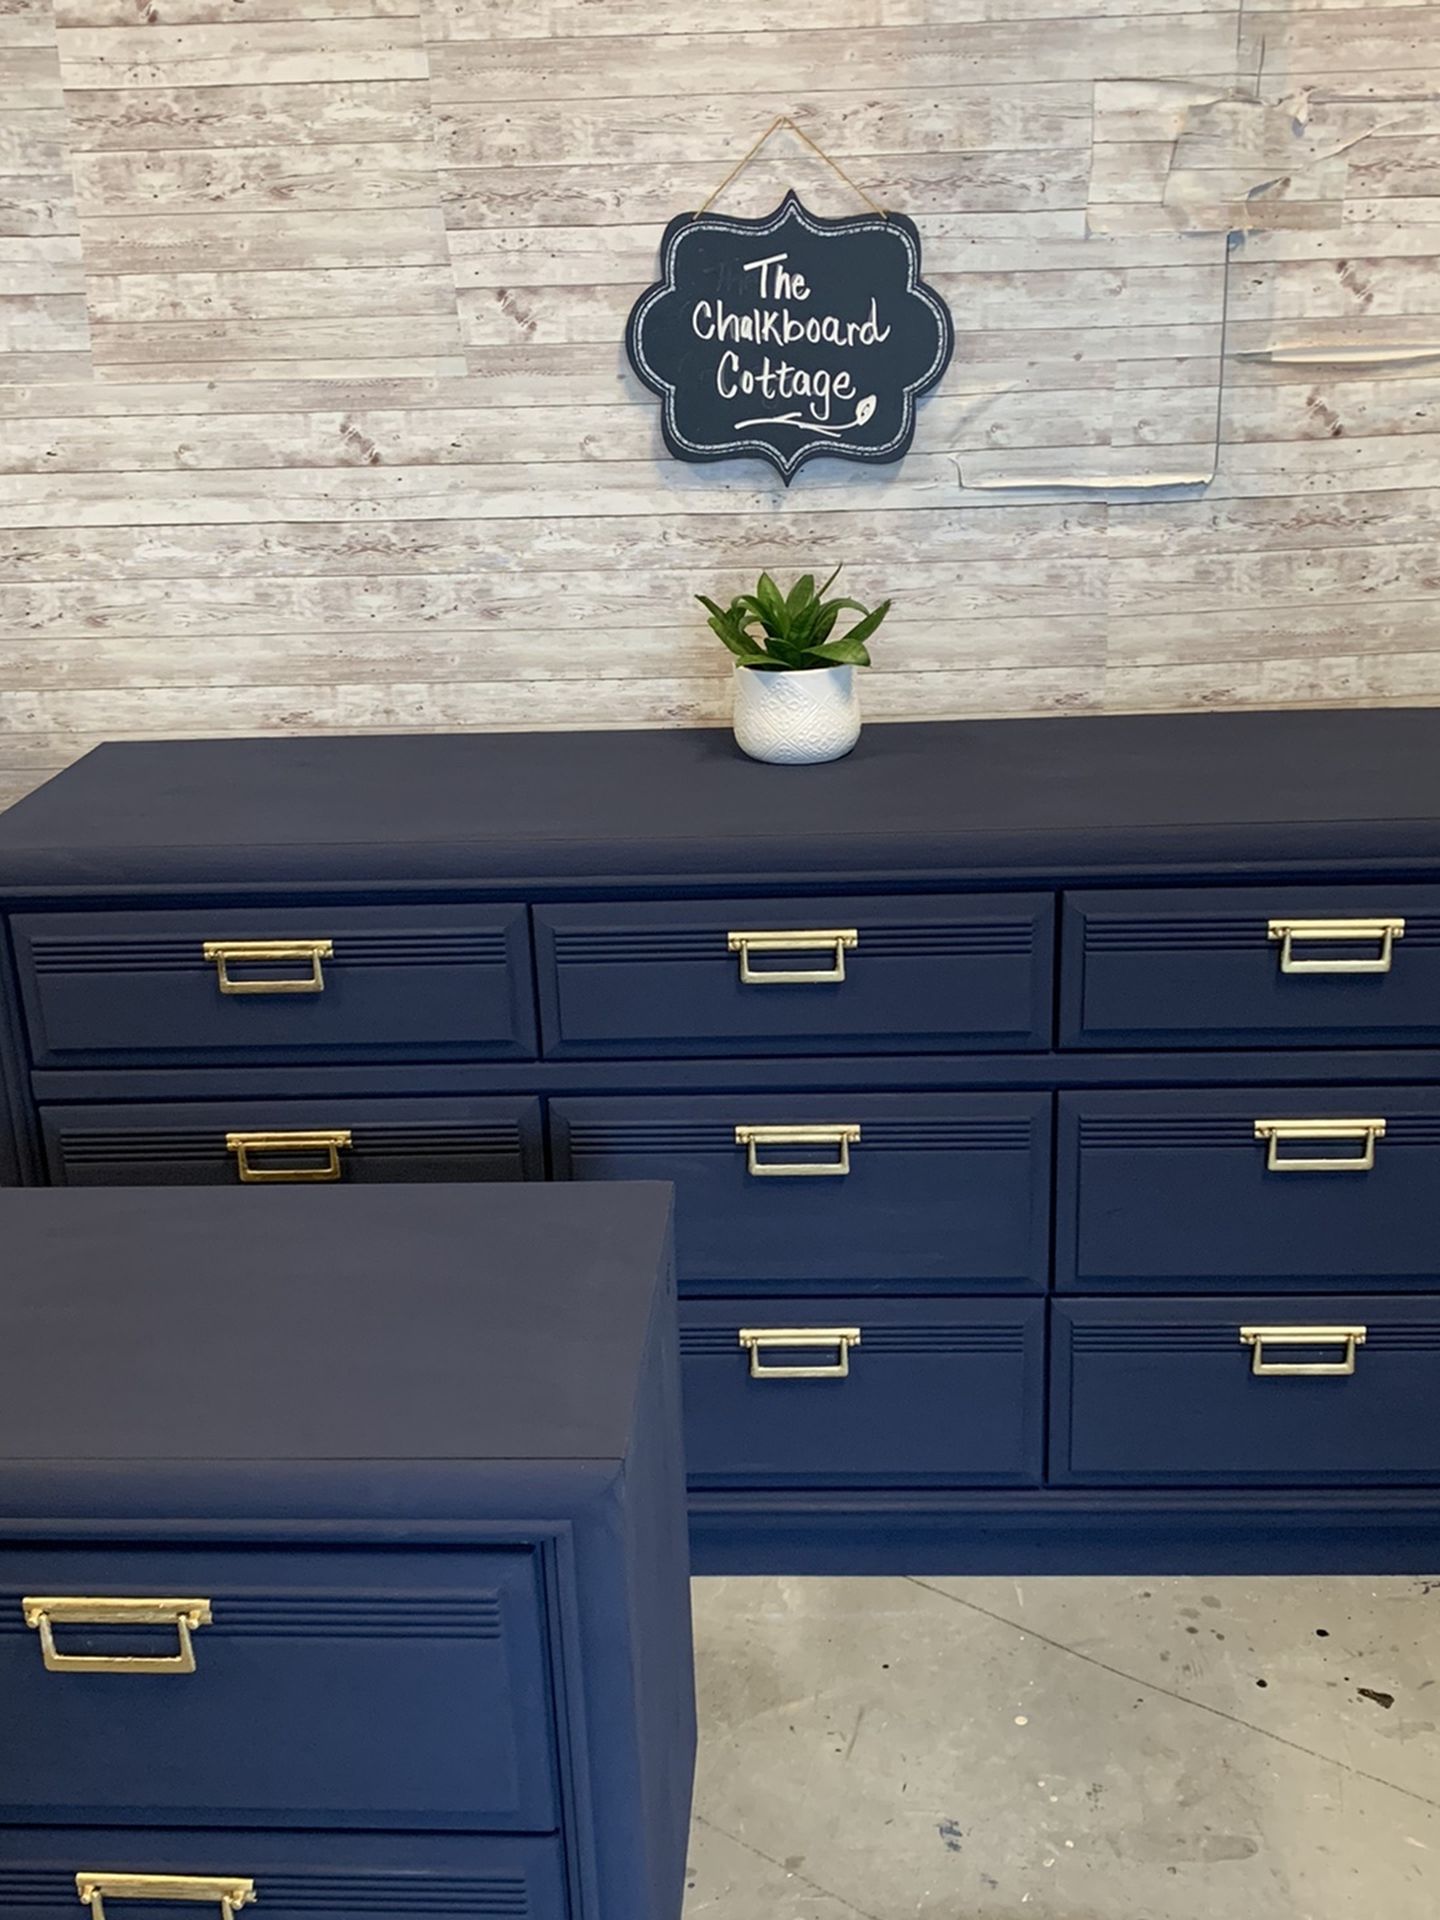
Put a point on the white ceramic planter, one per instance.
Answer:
(796, 719)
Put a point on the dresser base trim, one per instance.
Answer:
(1323, 1531)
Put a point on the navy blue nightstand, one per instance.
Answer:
(342, 1554)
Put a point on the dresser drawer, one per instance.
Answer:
(1258, 966)
(1249, 1188)
(375, 983)
(293, 1142)
(937, 973)
(296, 1876)
(845, 1391)
(810, 1190)
(1152, 1392)
(343, 1688)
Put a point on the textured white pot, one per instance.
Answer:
(796, 719)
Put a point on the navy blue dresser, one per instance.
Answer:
(1053, 1106)
(343, 1566)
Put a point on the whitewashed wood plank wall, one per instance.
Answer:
(313, 413)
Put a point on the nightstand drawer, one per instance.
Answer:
(293, 1142)
(933, 974)
(1258, 966)
(340, 1688)
(298, 1876)
(286, 984)
(802, 1191)
(1284, 1390)
(844, 1391)
(1249, 1188)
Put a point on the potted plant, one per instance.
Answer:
(795, 697)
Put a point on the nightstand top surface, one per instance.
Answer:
(388, 1324)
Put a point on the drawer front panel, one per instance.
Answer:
(302, 1876)
(337, 1689)
(285, 1142)
(924, 974)
(1179, 1191)
(1164, 1392)
(1258, 966)
(405, 982)
(930, 1392)
(948, 1190)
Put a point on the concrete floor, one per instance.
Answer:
(940, 1749)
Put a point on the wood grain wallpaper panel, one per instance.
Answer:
(313, 411)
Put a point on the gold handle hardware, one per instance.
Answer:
(838, 939)
(1383, 932)
(757, 1339)
(229, 953)
(243, 1145)
(1276, 1131)
(45, 1612)
(222, 1890)
(1255, 1337)
(754, 1138)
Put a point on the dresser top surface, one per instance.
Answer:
(1098, 793)
(383, 1324)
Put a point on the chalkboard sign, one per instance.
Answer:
(789, 338)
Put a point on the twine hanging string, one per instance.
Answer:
(784, 120)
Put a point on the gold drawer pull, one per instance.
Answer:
(838, 939)
(222, 1890)
(243, 1145)
(1276, 1131)
(1255, 1337)
(1382, 932)
(229, 953)
(757, 1339)
(754, 1138)
(45, 1612)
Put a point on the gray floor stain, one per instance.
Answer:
(944, 1749)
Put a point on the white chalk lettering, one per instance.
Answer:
(787, 286)
(778, 319)
(783, 380)
(871, 332)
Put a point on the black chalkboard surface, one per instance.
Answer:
(789, 338)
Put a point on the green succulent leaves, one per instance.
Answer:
(793, 632)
